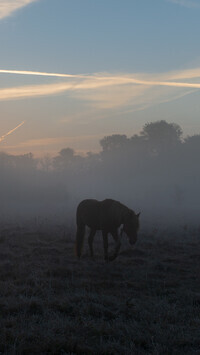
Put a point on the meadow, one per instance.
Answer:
(147, 301)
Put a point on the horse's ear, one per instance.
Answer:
(138, 215)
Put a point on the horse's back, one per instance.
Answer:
(96, 214)
(88, 213)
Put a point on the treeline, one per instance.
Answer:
(156, 171)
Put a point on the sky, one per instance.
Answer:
(74, 71)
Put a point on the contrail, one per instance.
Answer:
(11, 131)
(107, 79)
(37, 73)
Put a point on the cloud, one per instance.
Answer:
(23, 92)
(107, 91)
(185, 3)
(8, 7)
(56, 140)
(55, 144)
(105, 79)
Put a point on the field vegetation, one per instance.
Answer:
(147, 301)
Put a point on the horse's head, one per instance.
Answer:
(131, 226)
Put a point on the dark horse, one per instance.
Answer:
(107, 216)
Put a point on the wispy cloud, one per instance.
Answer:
(57, 140)
(23, 92)
(107, 91)
(54, 144)
(11, 131)
(186, 3)
(106, 79)
(8, 7)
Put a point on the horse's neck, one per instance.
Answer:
(123, 213)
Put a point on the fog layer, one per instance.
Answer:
(156, 173)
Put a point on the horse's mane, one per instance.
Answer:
(117, 209)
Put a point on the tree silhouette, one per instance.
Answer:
(64, 158)
(191, 151)
(116, 141)
(162, 136)
(192, 143)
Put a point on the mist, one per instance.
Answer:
(155, 173)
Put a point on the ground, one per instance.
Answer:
(147, 301)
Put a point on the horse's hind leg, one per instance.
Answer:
(105, 244)
(90, 241)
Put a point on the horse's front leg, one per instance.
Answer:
(90, 241)
(117, 245)
(105, 244)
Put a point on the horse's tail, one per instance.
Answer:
(79, 240)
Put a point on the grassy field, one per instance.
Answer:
(147, 301)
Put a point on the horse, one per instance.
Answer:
(107, 215)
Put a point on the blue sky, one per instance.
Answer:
(140, 60)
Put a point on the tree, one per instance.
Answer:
(191, 150)
(161, 135)
(116, 141)
(137, 143)
(192, 143)
(65, 157)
